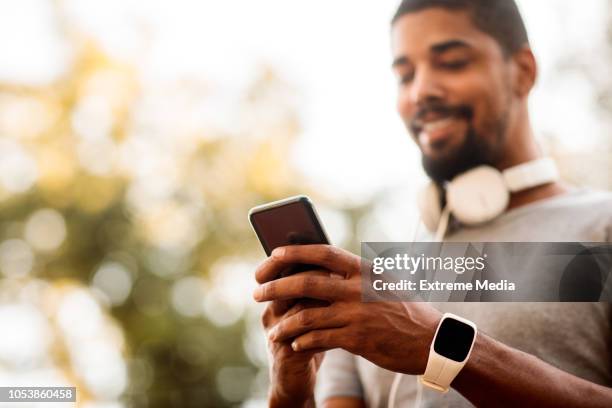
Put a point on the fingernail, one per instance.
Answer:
(278, 252)
(257, 293)
(294, 345)
(336, 276)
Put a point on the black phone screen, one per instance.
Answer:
(289, 224)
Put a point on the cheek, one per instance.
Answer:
(485, 95)
(489, 111)
(405, 108)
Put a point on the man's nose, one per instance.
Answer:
(424, 87)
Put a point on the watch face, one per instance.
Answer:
(454, 339)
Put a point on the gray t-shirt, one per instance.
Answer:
(575, 337)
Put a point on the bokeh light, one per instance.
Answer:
(115, 280)
(16, 258)
(30, 336)
(45, 230)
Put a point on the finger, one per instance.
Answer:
(280, 307)
(295, 305)
(329, 257)
(272, 268)
(300, 286)
(274, 311)
(325, 339)
(283, 308)
(304, 304)
(307, 320)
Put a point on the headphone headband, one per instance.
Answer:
(531, 174)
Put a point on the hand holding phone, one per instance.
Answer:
(292, 221)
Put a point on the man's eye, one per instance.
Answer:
(454, 65)
(406, 78)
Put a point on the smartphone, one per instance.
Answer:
(292, 221)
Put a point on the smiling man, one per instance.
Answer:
(465, 70)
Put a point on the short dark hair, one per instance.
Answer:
(500, 19)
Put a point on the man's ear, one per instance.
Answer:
(525, 71)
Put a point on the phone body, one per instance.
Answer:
(291, 221)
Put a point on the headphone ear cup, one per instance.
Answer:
(478, 195)
(429, 201)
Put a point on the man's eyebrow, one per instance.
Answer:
(438, 48)
(448, 45)
(401, 60)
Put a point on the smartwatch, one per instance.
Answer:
(449, 351)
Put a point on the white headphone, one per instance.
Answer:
(475, 197)
(481, 194)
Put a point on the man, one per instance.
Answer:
(465, 70)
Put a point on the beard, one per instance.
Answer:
(473, 152)
(477, 149)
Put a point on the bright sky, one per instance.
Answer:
(336, 53)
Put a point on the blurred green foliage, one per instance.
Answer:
(165, 203)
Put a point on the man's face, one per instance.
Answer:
(454, 90)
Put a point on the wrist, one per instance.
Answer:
(291, 389)
(277, 400)
(426, 320)
(427, 342)
(487, 358)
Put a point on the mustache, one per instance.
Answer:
(440, 109)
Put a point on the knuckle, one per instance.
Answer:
(331, 254)
(266, 316)
(359, 315)
(284, 353)
(305, 318)
(258, 273)
(360, 337)
(297, 308)
(285, 254)
(337, 288)
(354, 289)
(308, 284)
(268, 290)
(289, 252)
(276, 256)
(263, 271)
(281, 327)
(317, 338)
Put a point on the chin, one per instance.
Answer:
(442, 168)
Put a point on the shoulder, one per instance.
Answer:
(585, 196)
(580, 200)
(590, 196)
(596, 204)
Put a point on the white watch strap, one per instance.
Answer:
(441, 371)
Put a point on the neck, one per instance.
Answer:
(521, 147)
(534, 194)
